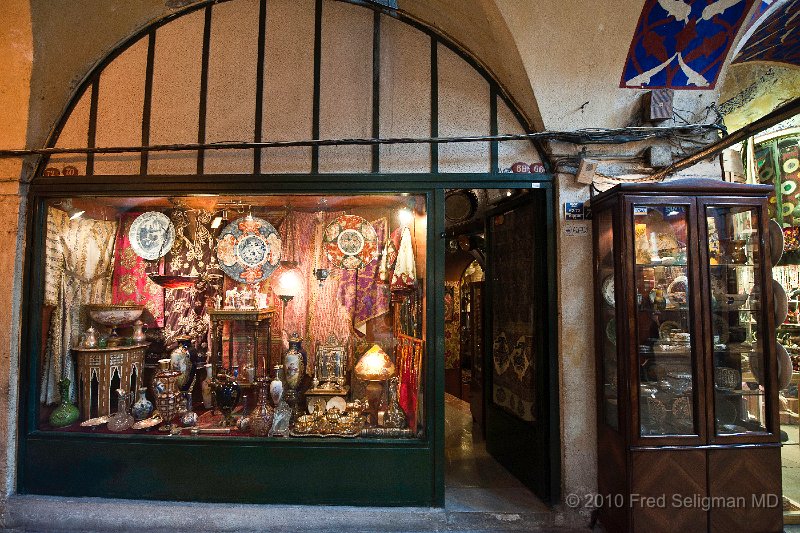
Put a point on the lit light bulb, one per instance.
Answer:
(288, 284)
(406, 216)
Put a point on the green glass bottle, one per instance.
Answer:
(66, 413)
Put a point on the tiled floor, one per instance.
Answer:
(474, 482)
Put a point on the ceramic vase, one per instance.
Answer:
(226, 395)
(276, 386)
(182, 359)
(122, 419)
(166, 393)
(293, 370)
(66, 413)
(261, 418)
(143, 407)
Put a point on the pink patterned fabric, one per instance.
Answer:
(362, 291)
(130, 284)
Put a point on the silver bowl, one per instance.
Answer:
(114, 315)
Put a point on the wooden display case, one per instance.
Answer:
(688, 430)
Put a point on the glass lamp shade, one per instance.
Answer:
(375, 365)
(288, 283)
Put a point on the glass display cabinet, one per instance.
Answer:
(688, 435)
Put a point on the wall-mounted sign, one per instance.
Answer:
(574, 211)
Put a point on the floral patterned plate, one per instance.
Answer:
(350, 242)
(249, 249)
(152, 235)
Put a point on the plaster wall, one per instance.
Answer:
(566, 53)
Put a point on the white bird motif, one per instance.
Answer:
(717, 8)
(678, 9)
(645, 77)
(693, 77)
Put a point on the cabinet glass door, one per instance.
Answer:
(664, 327)
(608, 319)
(735, 258)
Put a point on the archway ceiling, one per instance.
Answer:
(765, 71)
(479, 27)
(682, 44)
(476, 25)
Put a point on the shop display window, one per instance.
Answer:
(267, 316)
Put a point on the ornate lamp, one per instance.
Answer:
(374, 367)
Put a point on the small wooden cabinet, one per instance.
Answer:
(688, 432)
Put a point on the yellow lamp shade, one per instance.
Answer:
(375, 365)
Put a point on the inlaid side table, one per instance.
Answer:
(101, 365)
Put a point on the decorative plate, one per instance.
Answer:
(611, 331)
(677, 290)
(337, 402)
(785, 369)
(607, 290)
(460, 205)
(152, 235)
(776, 241)
(249, 249)
(350, 242)
(781, 302)
(666, 328)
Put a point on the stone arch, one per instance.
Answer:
(341, 70)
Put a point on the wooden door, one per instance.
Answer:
(516, 405)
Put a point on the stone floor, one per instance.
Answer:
(480, 496)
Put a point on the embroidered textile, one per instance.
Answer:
(405, 268)
(130, 284)
(362, 291)
(452, 324)
(79, 259)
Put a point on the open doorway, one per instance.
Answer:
(497, 410)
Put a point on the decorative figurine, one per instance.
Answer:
(394, 417)
(205, 386)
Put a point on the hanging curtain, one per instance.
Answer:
(78, 269)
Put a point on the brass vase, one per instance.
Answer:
(166, 393)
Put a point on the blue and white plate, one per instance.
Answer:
(152, 235)
(249, 249)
